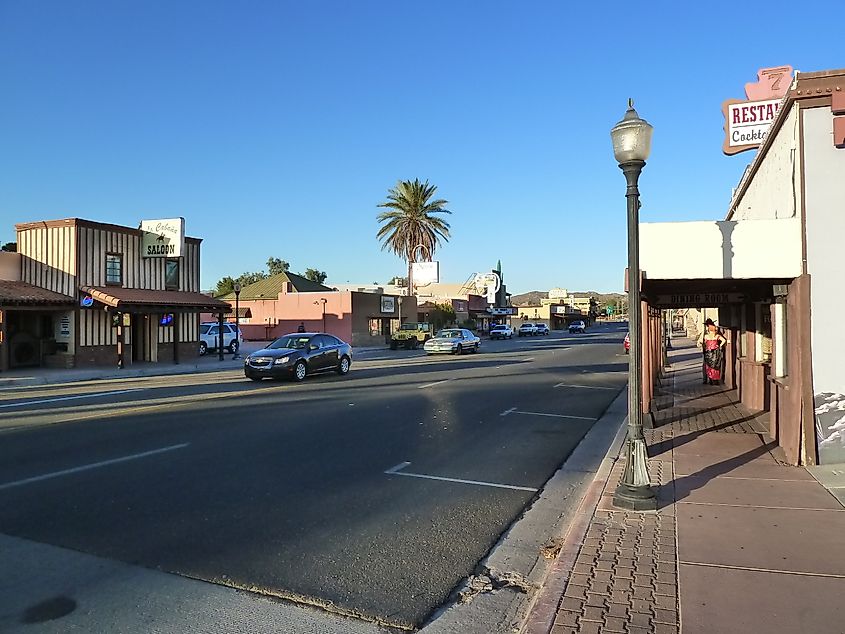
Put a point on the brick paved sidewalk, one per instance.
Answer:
(722, 494)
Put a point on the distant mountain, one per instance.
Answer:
(532, 298)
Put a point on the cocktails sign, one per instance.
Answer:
(747, 122)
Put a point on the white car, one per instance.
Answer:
(209, 337)
(502, 331)
(527, 329)
(452, 341)
(541, 329)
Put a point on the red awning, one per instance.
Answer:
(138, 300)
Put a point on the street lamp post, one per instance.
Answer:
(631, 145)
(323, 300)
(237, 354)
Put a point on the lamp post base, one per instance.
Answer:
(634, 498)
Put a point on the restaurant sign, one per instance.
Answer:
(163, 238)
(698, 300)
(747, 122)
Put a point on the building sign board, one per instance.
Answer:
(747, 122)
(163, 238)
(425, 273)
(698, 300)
(388, 304)
(502, 310)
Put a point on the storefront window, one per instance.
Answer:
(765, 335)
(780, 369)
(114, 269)
(375, 327)
(171, 275)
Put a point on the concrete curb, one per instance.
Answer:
(542, 612)
(517, 578)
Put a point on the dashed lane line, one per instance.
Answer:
(70, 398)
(397, 470)
(586, 387)
(93, 465)
(516, 411)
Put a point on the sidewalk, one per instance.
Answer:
(740, 543)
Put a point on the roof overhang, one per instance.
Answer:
(136, 300)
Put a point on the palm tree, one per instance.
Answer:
(411, 221)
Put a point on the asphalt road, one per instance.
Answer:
(373, 494)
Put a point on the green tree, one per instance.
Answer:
(441, 315)
(224, 286)
(315, 275)
(276, 266)
(412, 219)
(10, 246)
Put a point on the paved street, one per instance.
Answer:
(373, 494)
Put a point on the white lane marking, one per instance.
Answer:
(396, 471)
(433, 384)
(94, 465)
(70, 398)
(508, 411)
(555, 415)
(588, 387)
(528, 359)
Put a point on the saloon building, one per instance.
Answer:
(81, 293)
(774, 272)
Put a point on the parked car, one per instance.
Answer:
(209, 337)
(527, 329)
(452, 341)
(541, 329)
(577, 326)
(501, 331)
(627, 343)
(297, 355)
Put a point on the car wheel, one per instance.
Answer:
(203, 348)
(233, 347)
(300, 371)
(459, 350)
(343, 366)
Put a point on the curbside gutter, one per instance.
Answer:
(519, 585)
(543, 611)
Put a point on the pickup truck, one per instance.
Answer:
(501, 331)
(527, 329)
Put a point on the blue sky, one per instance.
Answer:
(275, 128)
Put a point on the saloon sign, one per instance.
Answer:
(162, 238)
(747, 122)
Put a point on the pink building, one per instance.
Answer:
(280, 303)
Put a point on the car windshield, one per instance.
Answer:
(408, 327)
(499, 327)
(295, 342)
(450, 334)
(527, 326)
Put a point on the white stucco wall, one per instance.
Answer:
(775, 190)
(697, 250)
(825, 180)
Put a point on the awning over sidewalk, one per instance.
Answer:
(137, 300)
(22, 294)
